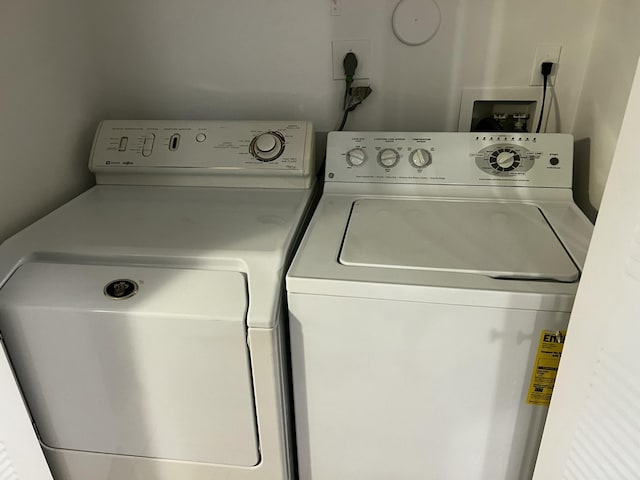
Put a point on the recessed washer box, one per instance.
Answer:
(480, 103)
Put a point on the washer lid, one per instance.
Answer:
(499, 240)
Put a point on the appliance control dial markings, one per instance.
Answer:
(388, 157)
(420, 158)
(492, 159)
(267, 146)
(356, 157)
(504, 159)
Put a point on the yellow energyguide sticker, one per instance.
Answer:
(545, 368)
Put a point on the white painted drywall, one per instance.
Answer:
(487, 43)
(47, 107)
(272, 58)
(608, 79)
(593, 427)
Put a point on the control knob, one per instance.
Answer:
(267, 146)
(420, 158)
(504, 160)
(388, 157)
(356, 157)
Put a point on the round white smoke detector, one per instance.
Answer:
(415, 22)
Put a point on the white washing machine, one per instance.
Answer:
(145, 319)
(432, 266)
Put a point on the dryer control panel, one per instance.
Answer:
(182, 152)
(532, 160)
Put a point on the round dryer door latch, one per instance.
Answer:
(121, 289)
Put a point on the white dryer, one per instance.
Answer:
(432, 266)
(145, 319)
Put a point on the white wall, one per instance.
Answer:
(46, 104)
(272, 58)
(593, 427)
(607, 83)
(486, 43)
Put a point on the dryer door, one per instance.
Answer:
(139, 361)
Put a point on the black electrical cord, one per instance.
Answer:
(349, 64)
(545, 70)
(344, 120)
(353, 96)
(544, 95)
(357, 95)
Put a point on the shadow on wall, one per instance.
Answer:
(581, 177)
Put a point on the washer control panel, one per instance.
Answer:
(268, 148)
(534, 160)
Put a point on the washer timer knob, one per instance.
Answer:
(420, 158)
(388, 157)
(267, 146)
(504, 160)
(356, 157)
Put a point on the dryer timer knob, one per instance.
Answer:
(267, 146)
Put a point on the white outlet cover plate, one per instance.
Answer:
(545, 52)
(362, 50)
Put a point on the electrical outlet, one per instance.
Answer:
(362, 50)
(546, 52)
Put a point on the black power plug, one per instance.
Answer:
(545, 71)
(350, 63)
(352, 96)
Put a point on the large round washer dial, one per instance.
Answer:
(267, 146)
(356, 157)
(388, 157)
(504, 159)
(420, 158)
